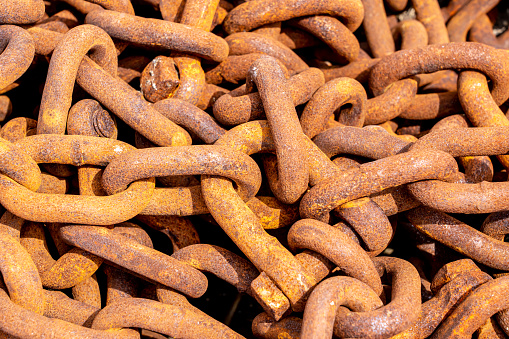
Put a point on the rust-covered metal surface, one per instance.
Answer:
(151, 32)
(376, 27)
(57, 96)
(484, 302)
(433, 58)
(149, 263)
(240, 169)
(18, 50)
(255, 14)
(402, 311)
(459, 25)
(21, 12)
(477, 168)
(411, 33)
(238, 106)
(162, 318)
(462, 237)
(482, 31)
(247, 42)
(452, 283)
(428, 12)
(318, 321)
(350, 258)
(328, 99)
(333, 32)
(375, 176)
(292, 171)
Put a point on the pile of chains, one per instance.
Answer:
(353, 153)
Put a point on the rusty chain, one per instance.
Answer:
(239, 168)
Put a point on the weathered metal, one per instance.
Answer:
(327, 297)
(459, 236)
(234, 108)
(149, 32)
(328, 99)
(250, 15)
(375, 176)
(163, 318)
(149, 264)
(399, 314)
(352, 127)
(433, 58)
(461, 22)
(480, 305)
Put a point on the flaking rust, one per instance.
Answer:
(148, 146)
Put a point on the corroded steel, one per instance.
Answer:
(374, 143)
(146, 31)
(376, 27)
(400, 313)
(17, 52)
(191, 117)
(198, 14)
(481, 304)
(328, 99)
(90, 248)
(232, 109)
(247, 43)
(477, 168)
(265, 327)
(388, 105)
(459, 236)
(331, 31)
(25, 323)
(369, 222)
(66, 58)
(474, 141)
(479, 106)
(452, 283)
(220, 262)
(482, 31)
(346, 254)
(292, 170)
(373, 177)
(159, 79)
(460, 23)
(19, 166)
(60, 306)
(143, 118)
(150, 264)
(21, 12)
(163, 318)
(24, 289)
(69, 270)
(433, 58)
(326, 299)
(75, 150)
(154, 162)
(428, 12)
(412, 32)
(251, 15)
(234, 69)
